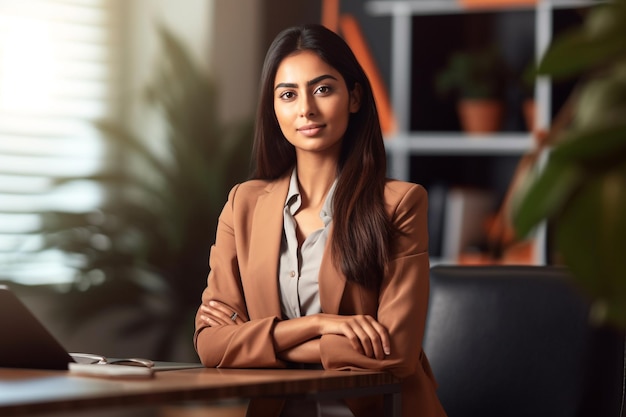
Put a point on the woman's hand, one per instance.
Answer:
(219, 314)
(365, 334)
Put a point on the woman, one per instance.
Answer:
(320, 260)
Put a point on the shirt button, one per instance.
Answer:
(292, 274)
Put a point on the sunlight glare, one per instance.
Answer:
(27, 65)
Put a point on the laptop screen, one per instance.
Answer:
(24, 341)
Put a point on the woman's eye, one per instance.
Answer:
(322, 89)
(287, 95)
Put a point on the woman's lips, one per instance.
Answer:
(310, 130)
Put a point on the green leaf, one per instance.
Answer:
(591, 236)
(602, 99)
(575, 53)
(600, 41)
(546, 195)
(597, 145)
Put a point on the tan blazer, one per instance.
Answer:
(244, 275)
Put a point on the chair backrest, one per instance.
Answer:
(512, 341)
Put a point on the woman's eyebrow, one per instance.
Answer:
(320, 78)
(308, 83)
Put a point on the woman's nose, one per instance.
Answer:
(307, 106)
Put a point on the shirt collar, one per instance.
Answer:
(293, 194)
(293, 200)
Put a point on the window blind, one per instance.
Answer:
(57, 75)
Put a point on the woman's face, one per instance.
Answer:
(312, 103)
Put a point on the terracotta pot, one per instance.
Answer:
(480, 115)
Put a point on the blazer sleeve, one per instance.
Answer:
(403, 296)
(250, 344)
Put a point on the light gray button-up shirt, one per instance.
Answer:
(299, 290)
(299, 266)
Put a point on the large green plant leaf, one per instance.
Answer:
(599, 148)
(601, 40)
(591, 235)
(546, 195)
(602, 101)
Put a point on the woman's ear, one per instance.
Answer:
(355, 98)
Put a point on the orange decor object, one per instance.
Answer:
(495, 3)
(330, 14)
(354, 37)
(518, 253)
(480, 116)
(529, 111)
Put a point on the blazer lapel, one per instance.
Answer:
(265, 238)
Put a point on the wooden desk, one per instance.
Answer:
(24, 392)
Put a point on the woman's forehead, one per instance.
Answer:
(303, 66)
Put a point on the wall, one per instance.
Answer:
(236, 56)
(189, 21)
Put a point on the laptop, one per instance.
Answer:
(24, 341)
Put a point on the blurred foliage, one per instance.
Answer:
(476, 74)
(582, 188)
(148, 245)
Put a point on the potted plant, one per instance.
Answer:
(475, 78)
(581, 190)
(147, 246)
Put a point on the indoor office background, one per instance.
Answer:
(124, 123)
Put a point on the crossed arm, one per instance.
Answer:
(297, 340)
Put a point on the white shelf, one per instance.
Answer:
(435, 143)
(406, 143)
(434, 7)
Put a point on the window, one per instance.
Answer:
(57, 75)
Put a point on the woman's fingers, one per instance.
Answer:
(366, 335)
(220, 308)
(355, 341)
(212, 317)
(370, 337)
(378, 336)
(381, 331)
(218, 314)
(212, 322)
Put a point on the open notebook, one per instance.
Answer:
(26, 343)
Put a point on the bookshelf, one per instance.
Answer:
(417, 145)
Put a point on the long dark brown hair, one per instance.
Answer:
(361, 229)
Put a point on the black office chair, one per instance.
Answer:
(509, 341)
